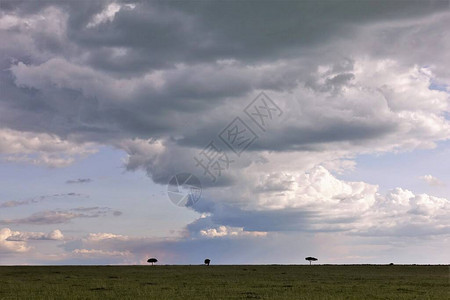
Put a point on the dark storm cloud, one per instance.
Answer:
(162, 33)
(158, 35)
(290, 138)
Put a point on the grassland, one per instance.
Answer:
(225, 282)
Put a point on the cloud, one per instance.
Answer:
(93, 253)
(137, 250)
(160, 81)
(106, 15)
(167, 34)
(107, 106)
(317, 201)
(314, 203)
(79, 180)
(7, 246)
(16, 241)
(223, 231)
(105, 236)
(62, 216)
(55, 235)
(433, 181)
(40, 149)
(15, 203)
(366, 117)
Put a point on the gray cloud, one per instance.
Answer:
(162, 79)
(79, 180)
(168, 33)
(156, 111)
(39, 199)
(62, 216)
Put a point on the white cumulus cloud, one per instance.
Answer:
(431, 180)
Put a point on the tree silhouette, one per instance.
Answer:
(207, 261)
(152, 260)
(310, 259)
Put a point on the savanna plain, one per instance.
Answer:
(226, 282)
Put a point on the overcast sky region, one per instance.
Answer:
(315, 128)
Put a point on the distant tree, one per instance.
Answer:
(391, 264)
(207, 261)
(152, 260)
(310, 259)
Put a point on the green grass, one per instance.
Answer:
(225, 282)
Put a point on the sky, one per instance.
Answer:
(294, 129)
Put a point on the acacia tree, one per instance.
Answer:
(310, 259)
(207, 261)
(152, 260)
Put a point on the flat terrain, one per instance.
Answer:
(226, 282)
